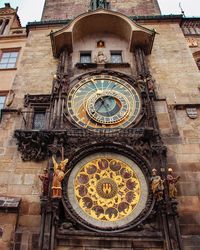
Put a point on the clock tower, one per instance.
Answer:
(100, 117)
(103, 122)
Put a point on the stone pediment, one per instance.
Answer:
(104, 21)
(7, 11)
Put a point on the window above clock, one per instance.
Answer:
(116, 56)
(85, 57)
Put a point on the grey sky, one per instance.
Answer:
(32, 10)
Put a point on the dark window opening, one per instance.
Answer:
(2, 102)
(85, 57)
(116, 56)
(39, 119)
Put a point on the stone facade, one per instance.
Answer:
(172, 63)
(54, 11)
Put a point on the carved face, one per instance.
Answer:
(103, 102)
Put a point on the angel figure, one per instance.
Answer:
(157, 185)
(58, 176)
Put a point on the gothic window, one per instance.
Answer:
(8, 59)
(3, 25)
(39, 119)
(116, 56)
(85, 57)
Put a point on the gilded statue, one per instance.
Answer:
(171, 180)
(45, 181)
(157, 185)
(100, 58)
(58, 176)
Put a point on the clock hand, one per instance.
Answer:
(113, 86)
(92, 80)
(102, 103)
(106, 105)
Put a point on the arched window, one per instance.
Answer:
(3, 26)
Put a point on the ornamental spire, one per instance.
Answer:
(95, 4)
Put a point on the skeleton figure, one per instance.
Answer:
(58, 176)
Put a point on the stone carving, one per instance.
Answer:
(35, 99)
(10, 98)
(45, 182)
(95, 4)
(192, 113)
(171, 180)
(150, 85)
(33, 145)
(66, 226)
(192, 42)
(60, 82)
(157, 186)
(101, 3)
(100, 58)
(146, 82)
(58, 176)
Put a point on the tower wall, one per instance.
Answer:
(69, 9)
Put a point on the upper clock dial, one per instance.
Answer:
(103, 102)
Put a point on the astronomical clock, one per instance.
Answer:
(107, 189)
(103, 101)
(106, 175)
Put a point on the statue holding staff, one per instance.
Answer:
(58, 176)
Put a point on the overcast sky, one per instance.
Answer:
(31, 10)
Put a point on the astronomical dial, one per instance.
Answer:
(107, 190)
(103, 102)
(107, 107)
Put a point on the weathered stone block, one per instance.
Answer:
(19, 190)
(189, 188)
(29, 179)
(29, 221)
(34, 208)
(4, 178)
(16, 179)
(189, 204)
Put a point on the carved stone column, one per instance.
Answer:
(142, 67)
(60, 89)
(3, 26)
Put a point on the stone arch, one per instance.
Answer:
(104, 21)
